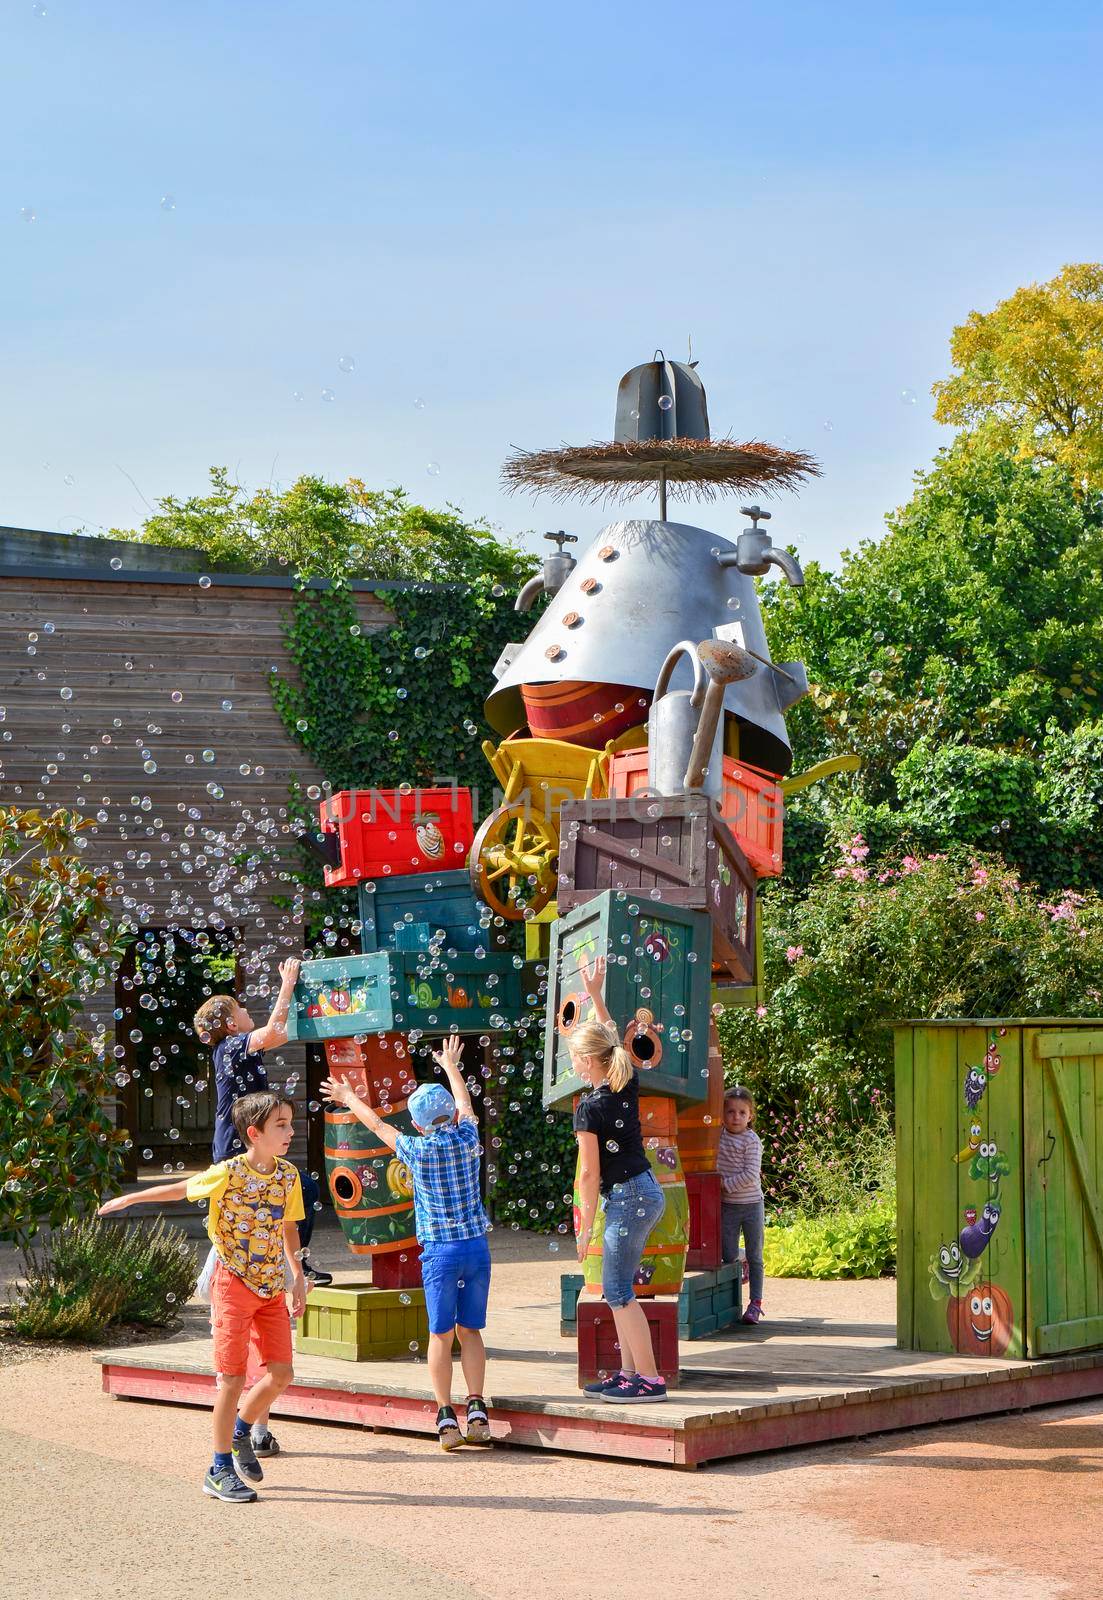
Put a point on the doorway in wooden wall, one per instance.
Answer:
(170, 1097)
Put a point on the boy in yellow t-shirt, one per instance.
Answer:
(255, 1200)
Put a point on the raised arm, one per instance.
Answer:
(274, 1032)
(161, 1191)
(593, 981)
(448, 1057)
(343, 1094)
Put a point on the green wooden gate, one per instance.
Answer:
(999, 1185)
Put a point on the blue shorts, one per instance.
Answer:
(457, 1283)
(632, 1209)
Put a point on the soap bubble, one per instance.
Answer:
(168, 202)
(665, 402)
(433, 468)
(227, 705)
(419, 404)
(204, 582)
(214, 791)
(328, 394)
(313, 792)
(296, 394)
(149, 766)
(208, 756)
(302, 725)
(895, 596)
(829, 426)
(876, 675)
(66, 693)
(115, 563)
(176, 697)
(421, 652)
(346, 363)
(68, 480)
(907, 396)
(28, 213)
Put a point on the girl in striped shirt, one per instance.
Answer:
(743, 1210)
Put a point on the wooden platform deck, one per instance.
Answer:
(824, 1367)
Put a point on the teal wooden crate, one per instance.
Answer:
(413, 913)
(396, 991)
(710, 1302)
(656, 989)
(1000, 1186)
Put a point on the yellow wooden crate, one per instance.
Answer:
(357, 1322)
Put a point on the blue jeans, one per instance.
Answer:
(632, 1209)
(748, 1218)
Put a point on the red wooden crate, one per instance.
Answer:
(388, 831)
(705, 1198)
(752, 805)
(599, 1352)
(397, 1269)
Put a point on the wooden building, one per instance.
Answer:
(135, 689)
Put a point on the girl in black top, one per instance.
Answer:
(612, 1160)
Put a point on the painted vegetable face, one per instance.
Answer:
(951, 1270)
(981, 1322)
(974, 1238)
(989, 1162)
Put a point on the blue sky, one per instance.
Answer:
(497, 209)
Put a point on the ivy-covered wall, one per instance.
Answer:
(404, 705)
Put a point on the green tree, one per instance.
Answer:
(976, 621)
(330, 530)
(59, 1148)
(1029, 377)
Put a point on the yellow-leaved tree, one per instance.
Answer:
(1030, 374)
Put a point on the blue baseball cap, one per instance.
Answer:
(430, 1103)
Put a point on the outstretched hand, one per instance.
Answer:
(340, 1092)
(289, 972)
(451, 1053)
(593, 977)
(109, 1207)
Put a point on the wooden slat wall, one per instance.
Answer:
(123, 647)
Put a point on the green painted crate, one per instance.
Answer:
(570, 1287)
(357, 1322)
(1000, 1186)
(394, 991)
(656, 989)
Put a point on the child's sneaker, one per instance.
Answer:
(265, 1444)
(610, 1381)
(448, 1429)
(223, 1483)
(246, 1464)
(478, 1423)
(635, 1391)
(753, 1312)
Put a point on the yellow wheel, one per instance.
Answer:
(513, 861)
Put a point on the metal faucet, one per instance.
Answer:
(755, 555)
(557, 569)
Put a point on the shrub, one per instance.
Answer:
(840, 1244)
(97, 1272)
(59, 1147)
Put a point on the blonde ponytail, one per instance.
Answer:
(600, 1040)
(619, 1075)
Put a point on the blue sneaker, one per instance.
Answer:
(635, 1391)
(246, 1464)
(610, 1380)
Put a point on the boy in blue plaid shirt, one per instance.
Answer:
(451, 1226)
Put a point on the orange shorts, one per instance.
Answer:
(238, 1314)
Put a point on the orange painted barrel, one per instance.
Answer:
(663, 1265)
(699, 1125)
(589, 714)
(371, 1189)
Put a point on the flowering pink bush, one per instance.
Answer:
(940, 936)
